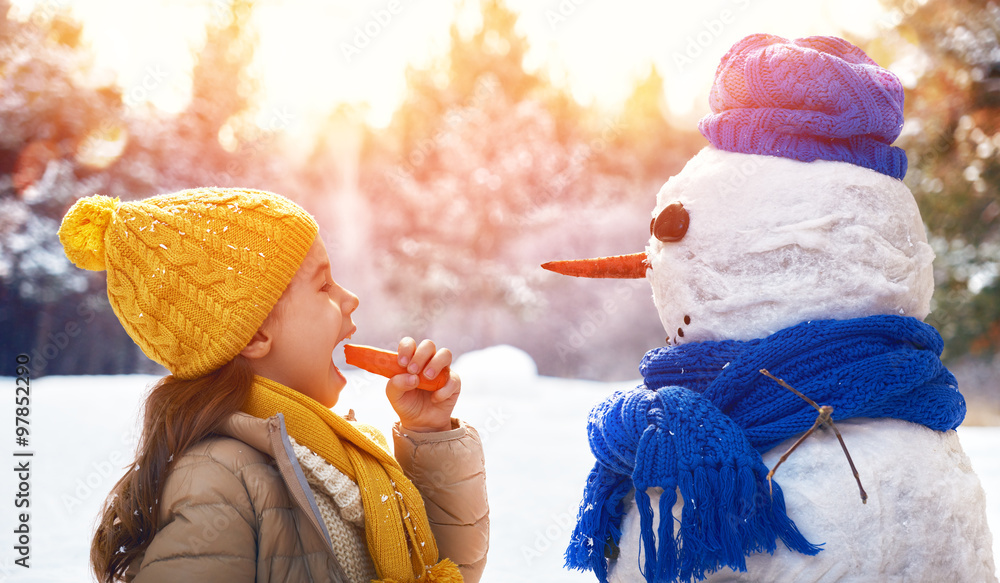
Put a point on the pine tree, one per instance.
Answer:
(484, 167)
(51, 115)
(213, 141)
(952, 139)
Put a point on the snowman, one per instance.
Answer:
(790, 244)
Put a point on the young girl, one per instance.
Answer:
(242, 471)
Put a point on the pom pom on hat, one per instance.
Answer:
(191, 275)
(807, 99)
(83, 228)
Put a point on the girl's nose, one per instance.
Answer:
(350, 303)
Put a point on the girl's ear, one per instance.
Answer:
(259, 345)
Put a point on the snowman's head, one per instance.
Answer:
(772, 242)
(797, 211)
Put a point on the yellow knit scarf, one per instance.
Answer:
(398, 533)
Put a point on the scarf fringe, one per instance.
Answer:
(445, 571)
(728, 510)
(596, 535)
(727, 515)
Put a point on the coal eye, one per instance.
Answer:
(671, 224)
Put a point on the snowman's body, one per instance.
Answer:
(924, 520)
(773, 242)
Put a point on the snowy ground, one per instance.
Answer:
(533, 428)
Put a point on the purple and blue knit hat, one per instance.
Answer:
(814, 98)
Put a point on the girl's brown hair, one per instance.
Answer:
(178, 414)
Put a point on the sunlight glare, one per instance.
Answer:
(313, 55)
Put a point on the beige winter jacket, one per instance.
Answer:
(236, 507)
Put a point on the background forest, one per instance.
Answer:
(439, 220)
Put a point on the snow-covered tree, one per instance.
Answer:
(952, 139)
(53, 118)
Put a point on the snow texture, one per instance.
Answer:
(773, 242)
(533, 429)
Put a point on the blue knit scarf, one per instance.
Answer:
(704, 416)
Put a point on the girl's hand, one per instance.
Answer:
(418, 410)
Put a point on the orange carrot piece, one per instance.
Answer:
(386, 363)
(620, 266)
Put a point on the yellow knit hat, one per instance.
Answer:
(193, 274)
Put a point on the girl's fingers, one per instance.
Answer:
(450, 390)
(403, 383)
(425, 350)
(407, 346)
(439, 361)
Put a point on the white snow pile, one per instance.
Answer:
(533, 429)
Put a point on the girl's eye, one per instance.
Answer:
(326, 287)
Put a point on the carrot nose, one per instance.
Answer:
(620, 266)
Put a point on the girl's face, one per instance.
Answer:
(312, 317)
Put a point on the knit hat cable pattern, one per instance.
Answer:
(705, 414)
(814, 98)
(191, 275)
